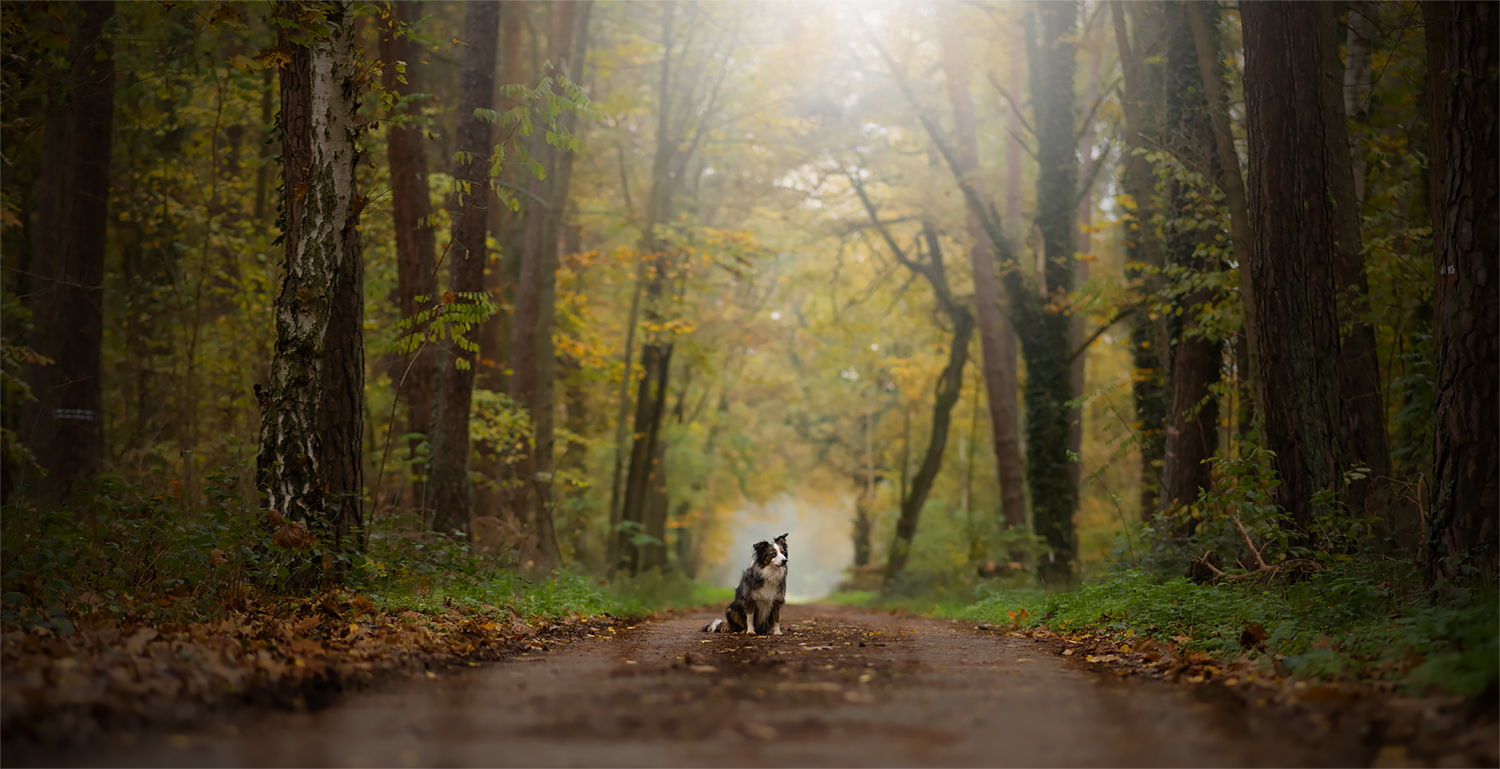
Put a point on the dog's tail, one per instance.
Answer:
(713, 627)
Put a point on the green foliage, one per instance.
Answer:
(1354, 620)
(129, 554)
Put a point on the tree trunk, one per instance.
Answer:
(1232, 183)
(1192, 418)
(452, 491)
(411, 211)
(1148, 345)
(67, 432)
(1461, 67)
(949, 386)
(533, 357)
(319, 96)
(1359, 366)
(1045, 330)
(1299, 168)
(999, 359)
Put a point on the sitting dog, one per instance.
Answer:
(757, 601)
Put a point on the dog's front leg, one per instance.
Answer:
(751, 617)
(776, 618)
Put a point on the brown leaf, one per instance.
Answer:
(216, 557)
(274, 516)
(1253, 635)
(137, 643)
(361, 605)
(293, 537)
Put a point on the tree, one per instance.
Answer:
(1051, 48)
(1192, 418)
(411, 212)
(533, 356)
(1462, 70)
(452, 491)
(687, 99)
(317, 372)
(66, 430)
(1142, 77)
(1299, 191)
(997, 340)
(1233, 185)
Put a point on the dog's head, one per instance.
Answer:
(771, 553)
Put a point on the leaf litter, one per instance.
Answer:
(112, 675)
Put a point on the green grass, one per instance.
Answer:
(1352, 621)
(564, 594)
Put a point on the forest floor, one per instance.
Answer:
(842, 686)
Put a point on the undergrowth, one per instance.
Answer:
(1352, 621)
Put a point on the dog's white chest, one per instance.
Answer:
(770, 589)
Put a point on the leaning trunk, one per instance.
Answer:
(999, 354)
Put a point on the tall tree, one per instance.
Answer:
(66, 432)
(1299, 169)
(1041, 324)
(452, 490)
(1051, 45)
(999, 362)
(317, 372)
(1141, 70)
(1192, 418)
(1359, 365)
(1232, 183)
(1462, 64)
(533, 356)
(687, 98)
(411, 214)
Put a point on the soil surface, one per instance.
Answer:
(840, 687)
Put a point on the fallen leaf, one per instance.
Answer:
(137, 642)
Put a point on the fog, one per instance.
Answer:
(817, 538)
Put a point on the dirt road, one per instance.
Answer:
(840, 687)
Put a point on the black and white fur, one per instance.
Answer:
(756, 609)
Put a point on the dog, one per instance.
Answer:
(756, 609)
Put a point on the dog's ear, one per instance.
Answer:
(782, 538)
(762, 546)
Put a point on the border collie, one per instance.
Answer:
(757, 601)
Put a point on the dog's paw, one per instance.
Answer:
(750, 630)
(776, 630)
(713, 627)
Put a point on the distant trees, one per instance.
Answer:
(65, 424)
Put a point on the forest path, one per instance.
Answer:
(841, 687)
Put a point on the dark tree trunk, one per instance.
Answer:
(1461, 66)
(411, 210)
(950, 385)
(1299, 168)
(999, 359)
(1142, 92)
(1045, 330)
(452, 490)
(1205, 43)
(67, 435)
(1192, 418)
(319, 304)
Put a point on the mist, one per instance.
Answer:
(817, 538)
